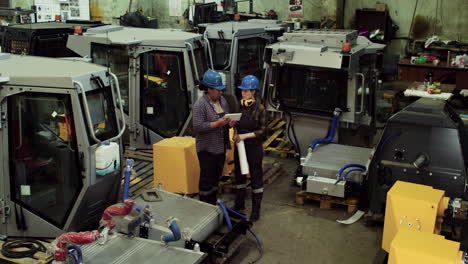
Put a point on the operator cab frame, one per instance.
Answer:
(159, 71)
(55, 120)
(237, 48)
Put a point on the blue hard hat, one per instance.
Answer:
(213, 79)
(250, 82)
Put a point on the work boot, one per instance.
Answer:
(256, 205)
(239, 204)
(213, 198)
(204, 198)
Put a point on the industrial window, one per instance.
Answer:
(164, 103)
(221, 52)
(102, 112)
(250, 57)
(200, 62)
(117, 60)
(44, 168)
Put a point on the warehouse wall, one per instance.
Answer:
(109, 10)
(450, 21)
(313, 9)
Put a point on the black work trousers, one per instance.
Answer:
(254, 151)
(211, 169)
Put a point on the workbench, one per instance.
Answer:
(395, 95)
(417, 72)
(445, 88)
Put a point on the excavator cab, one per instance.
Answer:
(158, 70)
(236, 48)
(60, 145)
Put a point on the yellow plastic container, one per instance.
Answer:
(176, 165)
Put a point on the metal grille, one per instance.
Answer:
(18, 47)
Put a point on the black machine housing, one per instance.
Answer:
(46, 39)
(425, 143)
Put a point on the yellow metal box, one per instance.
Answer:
(413, 206)
(176, 165)
(411, 246)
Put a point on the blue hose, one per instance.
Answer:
(388, 139)
(128, 174)
(345, 177)
(225, 210)
(259, 245)
(330, 133)
(226, 214)
(236, 213)
(71, 249)
(340, 172)
(175, 236)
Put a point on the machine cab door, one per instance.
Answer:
(42, 156)
(164, 97)
(238, 58)
(249, 59)
(4, 207)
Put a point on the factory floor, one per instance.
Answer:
(305, 234)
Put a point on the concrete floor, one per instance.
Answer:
(305, 234)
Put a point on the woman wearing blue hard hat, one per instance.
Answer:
(212, 135)
(250, 129)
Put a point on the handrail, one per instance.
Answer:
(363, 92)
(205, 37)
(86, 112)
(193, 58)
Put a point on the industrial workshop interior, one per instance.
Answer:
(233, 131)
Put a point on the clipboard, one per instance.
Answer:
(234, 116)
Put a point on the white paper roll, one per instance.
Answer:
(244, 165)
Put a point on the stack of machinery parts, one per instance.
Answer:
(158, 72)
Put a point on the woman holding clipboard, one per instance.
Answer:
(210, 125)
(250, 129)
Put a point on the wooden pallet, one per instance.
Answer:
(38, 258)
(326, 202)
(277, 142)
(142, 178)
(145, 155)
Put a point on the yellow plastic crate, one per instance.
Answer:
(176, 165)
